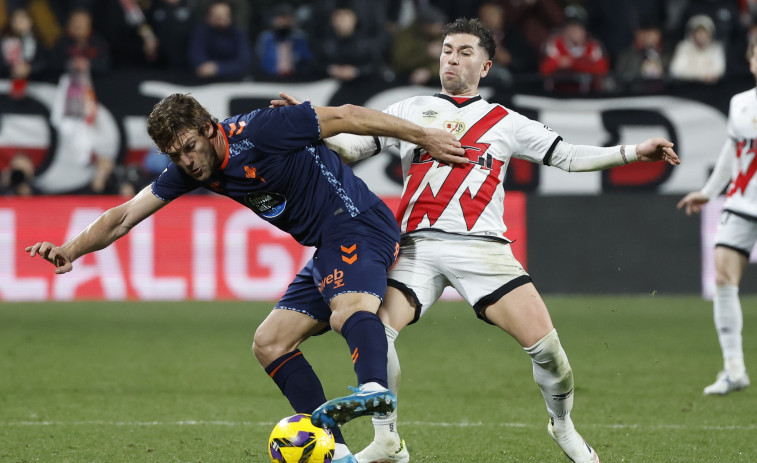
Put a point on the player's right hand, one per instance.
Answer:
(286, 100)
(693, 202)
(444, 147)
(53, 254)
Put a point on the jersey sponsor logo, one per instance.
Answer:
(746, 152)
(429, 114)
(454, 127)
(252, 173)
(349, 254)
(433, 205)
(336, 279)
(265, 204)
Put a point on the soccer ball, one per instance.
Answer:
(295, 439)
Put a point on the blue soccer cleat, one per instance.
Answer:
(346, 459)
(364, 401)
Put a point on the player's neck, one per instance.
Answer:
(465, 95)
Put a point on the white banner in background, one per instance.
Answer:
(700, 129)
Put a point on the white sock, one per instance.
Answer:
(341, 451)
(729, 322)
(562, 425)
(553, 374)
(385, 427)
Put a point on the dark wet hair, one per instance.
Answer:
(472, 26)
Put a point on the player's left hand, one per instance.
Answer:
(286, 100)
(657, 149)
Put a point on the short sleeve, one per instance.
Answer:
(533, 140)
(284, 129)
(172, 183)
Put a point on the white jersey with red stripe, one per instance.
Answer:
(465, 199)
(742, 130)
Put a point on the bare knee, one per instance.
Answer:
(726, 279)
(267, 348)
(345, 305)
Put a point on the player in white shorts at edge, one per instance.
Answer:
(451, 217)
(737, 230)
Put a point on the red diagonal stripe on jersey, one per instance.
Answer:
(743, 178)
(433, 206)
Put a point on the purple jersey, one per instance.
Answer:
(278, 166)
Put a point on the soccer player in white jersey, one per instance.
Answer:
(737, 230)
(453, 230)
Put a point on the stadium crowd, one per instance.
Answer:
(565, 46)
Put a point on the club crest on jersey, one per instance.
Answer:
(454, 127)
(265, 204)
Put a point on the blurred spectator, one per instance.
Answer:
(122, 23)
(218, 48)
(44, 17)
(80, 41)
(23, 56)
(283, 49)
(535, 19)
(173, 22)
(81, 133)
(370, 23)
(18, 176)
(573, 60)
(699, 56)
(643, 67)
(614, 23)
(243, 12)
(513, 54)
(729, 31)
(345, 52)
(417, 48)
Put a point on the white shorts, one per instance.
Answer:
(481, 270)
(736, 232)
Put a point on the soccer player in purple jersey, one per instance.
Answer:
(273, 160)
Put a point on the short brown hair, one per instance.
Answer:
(174, 114)
(473, 26)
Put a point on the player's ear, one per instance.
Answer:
(210, 130)
(485, 68)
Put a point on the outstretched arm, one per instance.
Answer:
(721, 175)
(583, 158)
(358, 120)
(113, 224)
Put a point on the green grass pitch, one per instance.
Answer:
(177, 382)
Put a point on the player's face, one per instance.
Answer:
(195, 154)
(462, 64)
